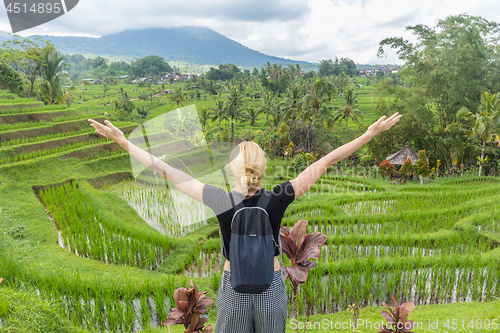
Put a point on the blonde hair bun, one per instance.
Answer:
(248, 163)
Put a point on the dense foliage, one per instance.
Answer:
(10, 79)
(343, 65)
(149, 65)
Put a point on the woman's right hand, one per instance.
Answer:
(110, 131)
(382, 124)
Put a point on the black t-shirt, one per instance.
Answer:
(218, 200)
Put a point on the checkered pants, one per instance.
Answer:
(251, 313)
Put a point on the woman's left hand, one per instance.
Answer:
(110, 131)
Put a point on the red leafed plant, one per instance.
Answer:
(1, 280)
(299, 248)
(386, 168)
(398, 318)
(191, 304)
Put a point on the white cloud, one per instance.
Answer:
(308, 30)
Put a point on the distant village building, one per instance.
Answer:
(257, 96)
(402, 155)
(123, 77)
(373, 71)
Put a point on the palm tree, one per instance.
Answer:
(122, 93)
(53, 65)
(67, 96)
(267, 102)
(252, 115)
(294, 71)
(279, 112)
(340, 82)
(460, 147)
(177, 97)
(292, 100)
(204, 116)
(235, 101)
(348, 110)
(105, 89)
(211, 87)
(485, 124)
(203, 83)
(144, 96)
(219, 112)
(320, 93)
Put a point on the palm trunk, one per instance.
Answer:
(482, 156)
(232, 126)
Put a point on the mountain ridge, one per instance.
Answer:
(197, 45)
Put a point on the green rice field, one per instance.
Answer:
(87, 245)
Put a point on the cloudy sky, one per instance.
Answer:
(308, 30)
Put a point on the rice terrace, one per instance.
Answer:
(89, 243)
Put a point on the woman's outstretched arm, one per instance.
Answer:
(185, 183)
(311, 174)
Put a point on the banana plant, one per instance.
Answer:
(300, 247)
(191, 304)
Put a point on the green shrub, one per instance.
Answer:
(422, 164)
(302, 161)
(10, 79)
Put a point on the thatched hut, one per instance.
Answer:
(402, 155)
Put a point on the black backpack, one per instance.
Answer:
(251, 248)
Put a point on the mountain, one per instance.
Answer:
(196, 45)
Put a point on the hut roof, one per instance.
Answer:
(402, 155)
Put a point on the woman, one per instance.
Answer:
(240, 312)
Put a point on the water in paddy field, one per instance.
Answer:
(304, 214)
(370, 207)
(335, 253)
(169, 211)
(422, 286)
(204, 265)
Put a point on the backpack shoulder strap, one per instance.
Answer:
(264, 199)
(237, 206)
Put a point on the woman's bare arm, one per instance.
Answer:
(307, 178)
(185, 183)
